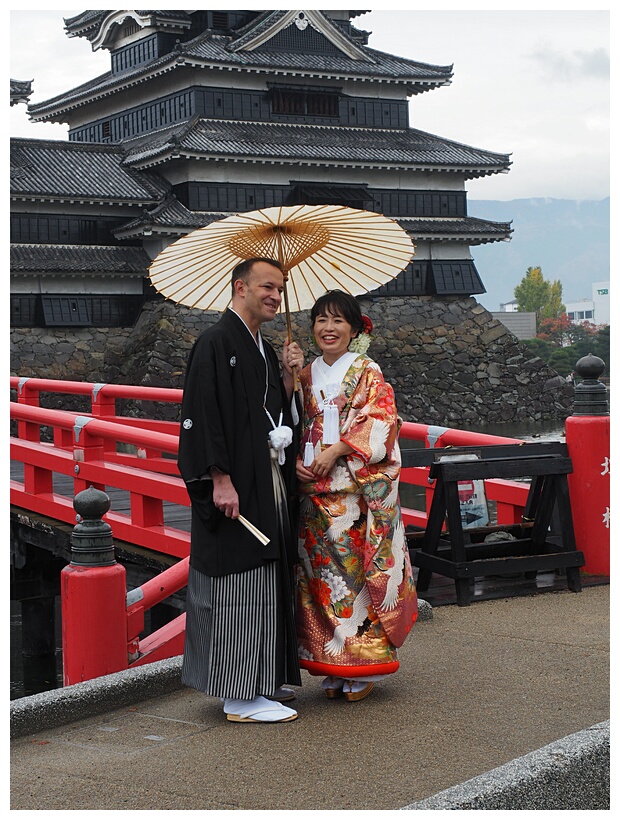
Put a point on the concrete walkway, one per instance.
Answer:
(478, 687)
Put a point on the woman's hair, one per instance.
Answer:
(339, 303)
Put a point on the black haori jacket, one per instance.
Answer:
(224, 425)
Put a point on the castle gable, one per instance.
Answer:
(297, 31)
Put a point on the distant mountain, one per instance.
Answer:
(569, 239)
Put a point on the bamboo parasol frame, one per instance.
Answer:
(320, 248)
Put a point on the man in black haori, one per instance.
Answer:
(237, 458)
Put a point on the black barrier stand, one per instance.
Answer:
(531, 548)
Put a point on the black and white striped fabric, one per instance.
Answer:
(231, 640)
(240, 631)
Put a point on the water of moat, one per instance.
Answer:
(41, 675)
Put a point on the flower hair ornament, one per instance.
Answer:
(361, 342)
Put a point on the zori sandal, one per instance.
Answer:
(282, 695)
(332, 687)
(357, 690)
(259, 710)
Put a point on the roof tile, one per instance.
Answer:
(95, 172)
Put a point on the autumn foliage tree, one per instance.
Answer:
(560, 343)
(535, 294)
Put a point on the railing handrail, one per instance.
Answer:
(117, 391)
(102, 427)
(450, 436)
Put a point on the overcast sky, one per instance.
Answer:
(533, 84)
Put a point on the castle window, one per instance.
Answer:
(288, 102)
(220, 19)
(322, 105)
(304, 103)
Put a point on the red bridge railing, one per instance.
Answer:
(108, 451)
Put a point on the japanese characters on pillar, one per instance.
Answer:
(588, 442)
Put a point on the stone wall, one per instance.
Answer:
(450, 362)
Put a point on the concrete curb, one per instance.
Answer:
(48, 710)
(571, 773)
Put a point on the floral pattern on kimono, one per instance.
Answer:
(355, 593)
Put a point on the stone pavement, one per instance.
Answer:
(478, 687)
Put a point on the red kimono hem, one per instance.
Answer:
(336, 671)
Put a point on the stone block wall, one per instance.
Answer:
(450, 362)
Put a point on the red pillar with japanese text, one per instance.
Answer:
(588, 442)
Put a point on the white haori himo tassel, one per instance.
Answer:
(331, 424)
(280, 438)
(308, 454)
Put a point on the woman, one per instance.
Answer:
(356, 598)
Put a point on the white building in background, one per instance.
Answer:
(521, 323)
(594, 310)
(508, 307)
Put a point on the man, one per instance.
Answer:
(240, 642)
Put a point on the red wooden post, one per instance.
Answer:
(588, 442)
(93, 597)
(104, 406)
(85, 448)
(27, 430)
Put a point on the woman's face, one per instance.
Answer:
(333, 334)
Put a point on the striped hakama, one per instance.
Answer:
(240, 634)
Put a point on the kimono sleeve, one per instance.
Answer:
(207, 393)
(372, 423)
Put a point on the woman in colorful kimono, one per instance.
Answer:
(356, 598)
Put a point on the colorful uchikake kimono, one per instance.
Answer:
(355, 593)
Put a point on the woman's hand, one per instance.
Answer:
(304, 475)
(323, 463)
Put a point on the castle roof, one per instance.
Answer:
(95, 173)
(20, 91)
(344, 146)
(251, 53)
(172, 218)
(78, 259)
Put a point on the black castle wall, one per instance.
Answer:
(450, 362)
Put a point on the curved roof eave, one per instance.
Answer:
(108, 84)
(172, 218)
(175, 153)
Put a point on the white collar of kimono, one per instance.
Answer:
(258, 339)
(281, 435)
(326, 379)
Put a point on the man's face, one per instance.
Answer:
(261, 296)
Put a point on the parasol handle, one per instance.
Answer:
(289, 330)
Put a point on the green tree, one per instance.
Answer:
(539, 347)
(535, 294)
(562, 360)
(601, 345)
(554, 307)
(532, 292)
(561, 344)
